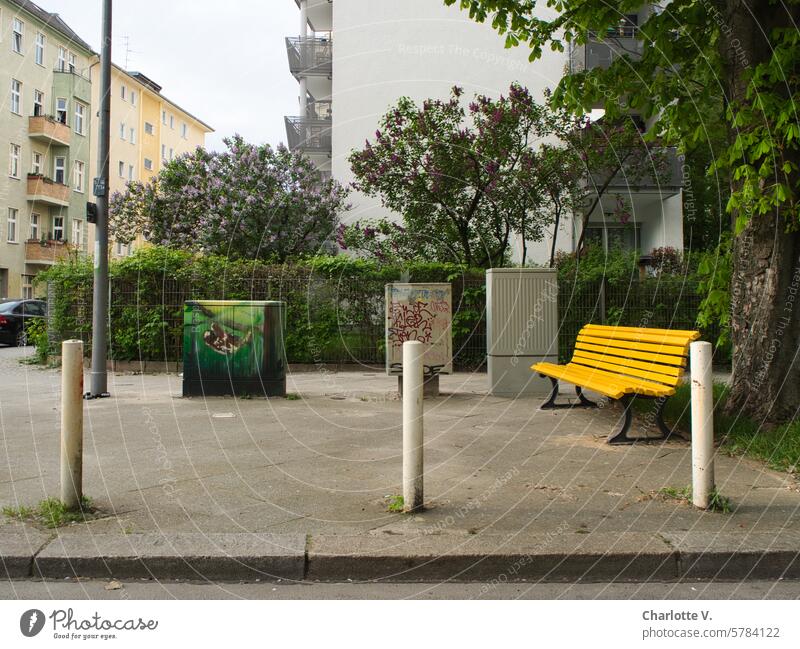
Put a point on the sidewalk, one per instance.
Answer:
(298, 489)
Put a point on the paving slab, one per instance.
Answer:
(19, 544)
(174, 556)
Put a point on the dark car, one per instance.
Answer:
(15, 315)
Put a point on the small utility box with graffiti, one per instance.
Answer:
(234, 347)
(422, 312)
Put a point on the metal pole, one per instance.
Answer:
(702, 424)
(99, 378)
(412, 426)
(71, 423)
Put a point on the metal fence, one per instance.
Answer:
(342, 321)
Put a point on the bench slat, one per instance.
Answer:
(628, 371)
(623, 363)
(661, 339)
(607, 383)
(617, 352)
(689, 335)
(627, 344)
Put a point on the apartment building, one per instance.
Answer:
(147, 130)
(354, 58)
(45, 116)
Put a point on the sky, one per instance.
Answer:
(223, 62)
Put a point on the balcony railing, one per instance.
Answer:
(664, 175)
(46, 251)
(602, 49)
(45, 190)
(310, 56)
(319, 110)
(48, 129)
(309, 135)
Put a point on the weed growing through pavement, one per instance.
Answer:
(52, 513)
(716, 503)
(395, 504)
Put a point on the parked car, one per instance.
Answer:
(15, 315)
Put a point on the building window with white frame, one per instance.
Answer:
(164, 117)
(80, 118)
(61, 63)
(148, 128)
(13, 160)
(11, 230)
(184, 131)
(38, 54)
(38, 103)
(77, 233)
(133, 135)
(122, 92)
(59, 169)
(79, 175)
(171, 153)
(148, 164)
(17, 33)
(130, 173)
(37, 162)
(27, 287)
(133, 97)
(16, 97)
(58, 228)
(34, 226)
(122, 131)
(61, 110)
(172, 122)
(71, 58)
(121, 169)
(163, 153)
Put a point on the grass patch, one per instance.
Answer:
(778, 447)
(52, 513)
(717, 502)
(395, 504)
(291, 396)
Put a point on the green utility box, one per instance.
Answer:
(234, 348)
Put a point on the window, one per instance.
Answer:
(37, 163)
(164, 152)
(122, 92)
(18, 29)
(133, 136)
(148, 164)
(172, 122)
(171, 153)
(122, 131)
(130, 172)
(58, 228)
(39, 51)
(77, 232)
(11, 232)
(121, 169)
(164, 117)
(16, 96)
(59, 166)
(27, 291)
(34, 226)
(133, 97)
(612, 235)
(61, 64)
(38, 103)
(71, 62)
(78, 175)
(13, 161)
(80, 118)
(184, 131)
(148, 128)
(61, 110)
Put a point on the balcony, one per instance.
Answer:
(46, 252)
(310, 56)
(319, 13)
(309, 135)
(601, 50)
(45, 190)
(49, 130)
(663, 177)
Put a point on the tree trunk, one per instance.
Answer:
(765, 328)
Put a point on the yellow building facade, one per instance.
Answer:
(147, 131)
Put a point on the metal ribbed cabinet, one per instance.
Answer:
(234, 347)
(521, 328)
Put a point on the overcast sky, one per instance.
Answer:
(223, 62)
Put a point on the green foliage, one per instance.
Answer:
(52, 513)
(395, 504)
(716, 503)
(37, 334)
(715, 272)
(616, 266)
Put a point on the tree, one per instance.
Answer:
(465, 180)
(246, 202)
(707, 64)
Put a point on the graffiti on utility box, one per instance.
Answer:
(422, 312)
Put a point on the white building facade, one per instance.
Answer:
(355, 58)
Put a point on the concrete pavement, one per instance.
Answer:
(196, 486)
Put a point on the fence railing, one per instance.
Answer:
(342, 321)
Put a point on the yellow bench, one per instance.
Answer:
(622, 363)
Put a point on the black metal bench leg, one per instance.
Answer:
(551, 402)
(666, 431)
(586, 403)
(621, 437)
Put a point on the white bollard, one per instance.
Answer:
(71, 423)
(412, 426)
(702, 424)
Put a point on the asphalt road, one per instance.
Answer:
(97, 589)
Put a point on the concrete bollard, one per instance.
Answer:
(702, 424)
(71, 423)
(412, 426)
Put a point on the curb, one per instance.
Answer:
(596, 557)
